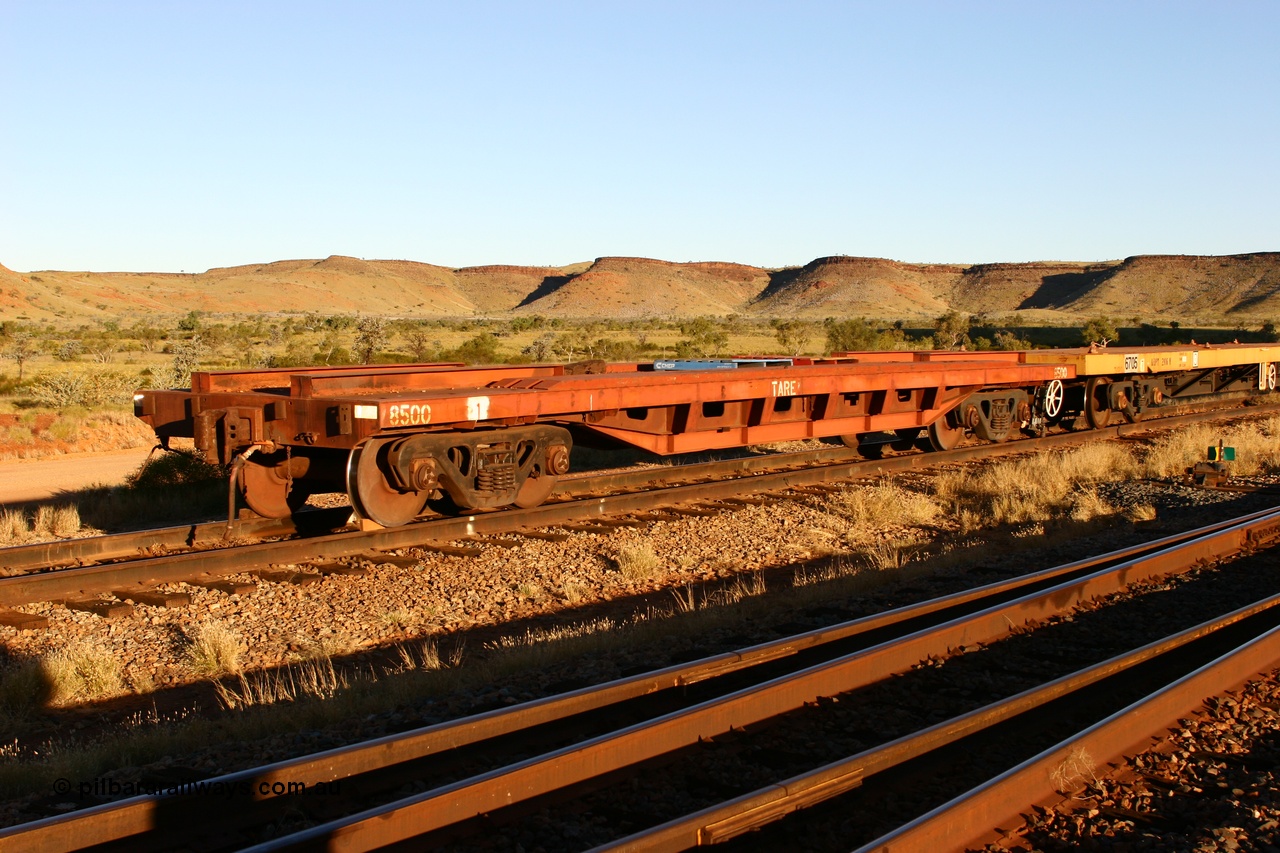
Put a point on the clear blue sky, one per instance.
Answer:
(182, 136)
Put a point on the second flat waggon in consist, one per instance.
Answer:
(402, 439)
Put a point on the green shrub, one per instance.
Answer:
(176, 468)
(84, 389)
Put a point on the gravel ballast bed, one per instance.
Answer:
(536, 585)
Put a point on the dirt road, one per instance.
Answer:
(41, 479)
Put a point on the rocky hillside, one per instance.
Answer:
(1233, 288)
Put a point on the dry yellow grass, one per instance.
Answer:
(1036, 488)
(14, 528)
(888, 554)
(881, 504)
(1257, 447)
(313, 678)
(638, 561)
(214, 648)
(61, 521)
(81, 671)
(422, 655)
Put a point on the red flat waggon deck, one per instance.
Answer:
(663, 411)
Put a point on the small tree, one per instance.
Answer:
(371, 336)
(186, 358)
(951, 331)
(542, 348)
(855, 335)
(148, 336)
(1006, 340)
(703, 336)
(420, 345)
(480, 349)
(1101, 331)
(22, 348)
(69, 351)
(793, 336)
(191, 322)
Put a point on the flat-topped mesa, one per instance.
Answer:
(508, 269)
(1040, 267)
(1220, 261)
(1189, 288)
(872, 287)
(619, 263)
(865, 263)
(624, 287)
(1002, 287)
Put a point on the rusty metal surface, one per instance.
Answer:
(758, 808)
(973, 818)
(449, 804)
(337, 409)
(139, 815)
(76, 551)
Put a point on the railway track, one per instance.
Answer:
(587, 738)
(971, 819)
(589, 502)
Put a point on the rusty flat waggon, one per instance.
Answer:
(400, 439)
(396, 437)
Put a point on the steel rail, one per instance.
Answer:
(137, 815)
(973, 817)
(144, 573)
(752, 811)
(450, 804)
(71, 552)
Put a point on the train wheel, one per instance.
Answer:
(872, 451)
(944, 435)
(1097, 408)
(372, 495)
(1268, 382)
(867, 450)
(266, 490)
(535, 490)
(907, 439)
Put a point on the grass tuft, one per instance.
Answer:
(883, 503)
(176, 468)
(420, 656)
(397, 619)
(638, 562)
(81, 671)
(1257, 447)
(1034, 489)
(14, 528)
(313, 678)
(214, 649)
(888, 554)
(61, 521)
